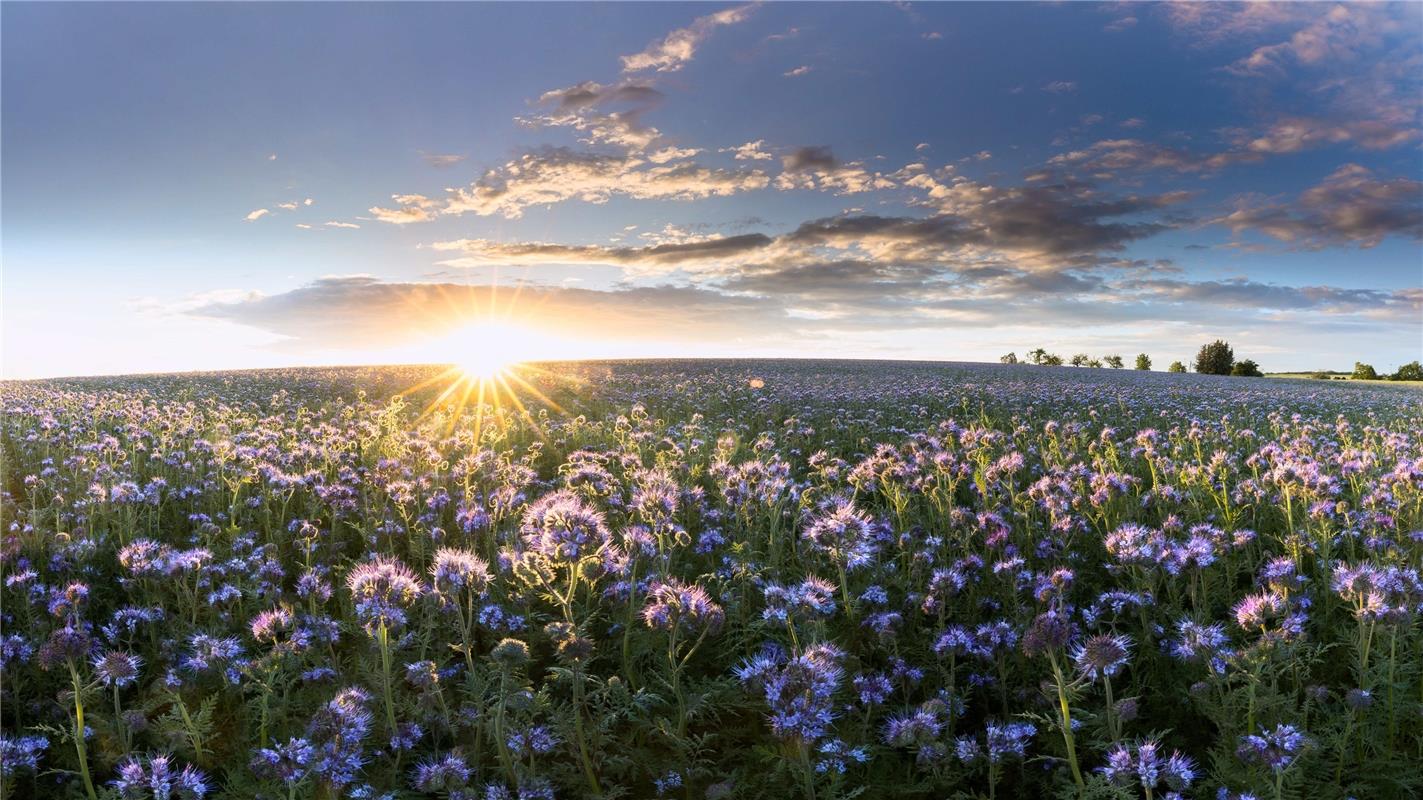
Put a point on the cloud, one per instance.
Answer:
(1247, 294)
(751, 151)
(1342, 33)
(606, 113)
(442, 161)
(413, 208)
(797, 72)
(1294, 134)
(556, 174)
(818, 169)
(1120, 25)
(1349, 207)
(1039, 227)
(932, 36)
(672, 254)
(360, 312)
(677, 49)
(258, 214)
(338, 224)
(1113, 155)
(1060, 87)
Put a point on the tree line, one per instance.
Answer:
(1216, 358)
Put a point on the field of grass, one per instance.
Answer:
(711, 579)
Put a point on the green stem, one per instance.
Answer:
(383, 636)
(79, 746)
(1067, 737)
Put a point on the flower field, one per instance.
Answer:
(711, 580)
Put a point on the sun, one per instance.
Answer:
(483, 366)
(487, 350)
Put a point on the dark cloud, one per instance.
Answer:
(816, 157)
(1350, 206)
(670, 254)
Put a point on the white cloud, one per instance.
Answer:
(258, 214)
(677, 49)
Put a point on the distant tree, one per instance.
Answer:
(1246, 369)
(1115, 362)
(1094, 363)
(1176, 366)
(1143, 361)
(1052, 360)
(1319, 376)
(1011, 358)
(1080, 360)
(1412, 371)
(1037, 356)
(1215, 358)
(1364, 372)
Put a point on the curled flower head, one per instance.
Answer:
(383, 589)
(1050, 631)
(562, 527)
(510, 653)
(455, 571)
(672, 604)
(156, 778)
(448, 773)
(843, 532)
(117, 668)
(1276, 748)
(1102, 656)
(1144, 764)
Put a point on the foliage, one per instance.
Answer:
(1143, 361)
(1215, 358)
(1364, 372)
(1247, 369)
(1176, 366)
(1412, 371)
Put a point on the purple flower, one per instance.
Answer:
(383, 589)
(117, 668)
(1277, 749)
(560, 526)
(1101, 656)
(155, 778)
(672, 604)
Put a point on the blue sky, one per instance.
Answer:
(216, 186)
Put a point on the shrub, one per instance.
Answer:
(1246, 369)
(1412, 371)
(1364, 372)
(1176, 366)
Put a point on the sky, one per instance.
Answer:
(218, 186)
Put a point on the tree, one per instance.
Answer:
(1143, 361)
(1364, 372)
(1094, 363)
(1052, 360)
(1080, 360)
(1215, 358)
(1246, 369)
(1115, 362)
(1010, 358)
(1176, 366)
(1038, 356)
(1412, 371)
